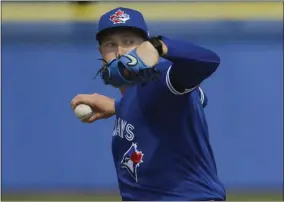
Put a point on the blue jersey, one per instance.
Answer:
(161, 147)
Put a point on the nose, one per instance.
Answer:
(119, 52)
(118, 55)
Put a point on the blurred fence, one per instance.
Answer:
(49, 55)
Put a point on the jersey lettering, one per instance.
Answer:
(123, 129)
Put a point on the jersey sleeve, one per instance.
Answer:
(192, 63)
(173, 86)
(117, 104)
(161, 93)
(203, 97)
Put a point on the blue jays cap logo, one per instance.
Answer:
(119, 17)
(131, 160)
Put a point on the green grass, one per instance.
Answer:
(114, 197)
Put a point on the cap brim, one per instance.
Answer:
(100, 34)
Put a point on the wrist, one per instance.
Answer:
(159, 45)
(164, 48)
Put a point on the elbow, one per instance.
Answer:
(208, 66)
(206, 59)
(215, 58)
(212, 61)
(215, 62)
(210, 56)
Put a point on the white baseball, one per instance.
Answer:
(83, 111)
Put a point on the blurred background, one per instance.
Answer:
(49, 54)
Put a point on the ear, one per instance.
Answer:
(99, 49)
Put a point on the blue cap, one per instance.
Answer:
(122, 17)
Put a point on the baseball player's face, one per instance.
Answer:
(119, 43)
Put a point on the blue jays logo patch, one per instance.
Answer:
(132, 159)
(119, 17)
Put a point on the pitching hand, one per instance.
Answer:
(104, 107)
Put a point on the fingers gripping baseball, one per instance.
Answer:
(102, 106)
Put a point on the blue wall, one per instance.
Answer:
(45, 146)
